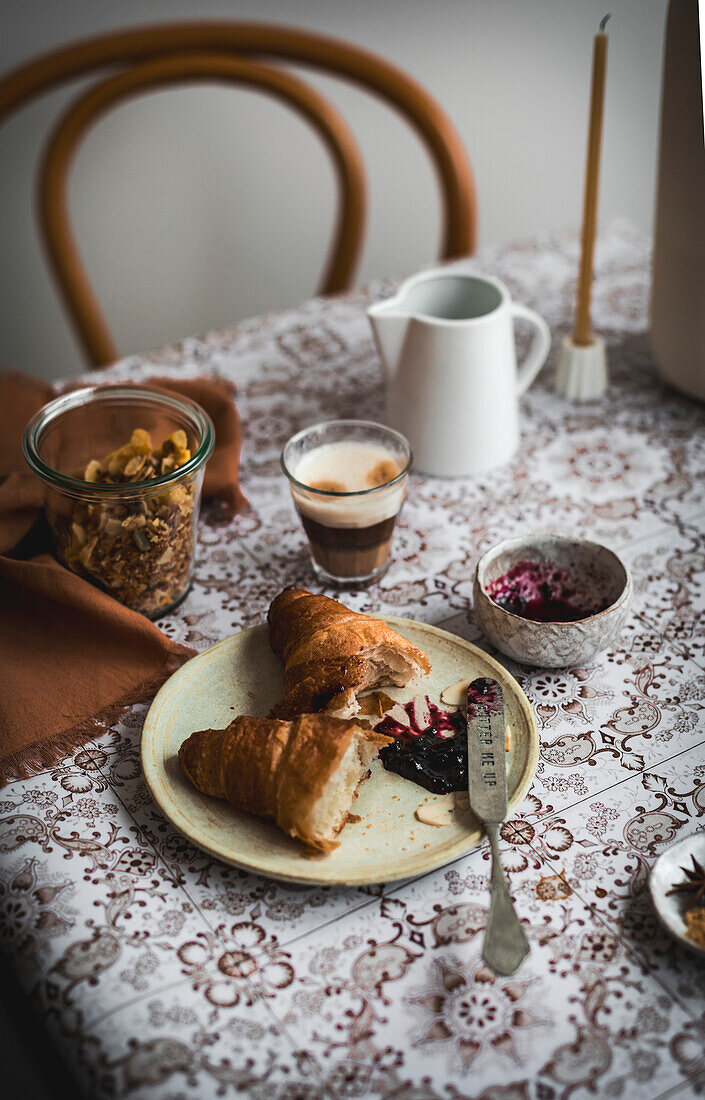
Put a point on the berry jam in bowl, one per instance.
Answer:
(551, 600)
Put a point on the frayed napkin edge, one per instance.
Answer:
(41, 755)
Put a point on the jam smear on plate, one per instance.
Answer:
(431, 751)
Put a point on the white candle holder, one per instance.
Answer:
(581, 374)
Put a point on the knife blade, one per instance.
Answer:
(505, 944)
(487, 773)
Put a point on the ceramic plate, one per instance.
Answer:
(667, 870)
(242, 676)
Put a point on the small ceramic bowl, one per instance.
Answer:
(665, 873)
(597, 577)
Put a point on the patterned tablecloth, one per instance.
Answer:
(164, 974)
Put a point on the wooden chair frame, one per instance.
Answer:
(267, 43)
(60, 242)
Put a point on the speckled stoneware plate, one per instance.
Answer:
(241, 675)
(666, 871)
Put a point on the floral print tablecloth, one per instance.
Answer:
(163, 974)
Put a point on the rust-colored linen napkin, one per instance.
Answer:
(71, 657)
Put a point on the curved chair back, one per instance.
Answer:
(91, 326)
(267, 43)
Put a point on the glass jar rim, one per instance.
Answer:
(102, 394)
(350, 423)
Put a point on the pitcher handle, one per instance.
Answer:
(540, 346)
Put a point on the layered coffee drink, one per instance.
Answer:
(348, 480)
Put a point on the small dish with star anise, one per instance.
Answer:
(677, 885)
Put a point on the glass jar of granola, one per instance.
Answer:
(123, 469)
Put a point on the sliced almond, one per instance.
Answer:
(399, 715)
(455, 695)
(134, 465)
(438, 812)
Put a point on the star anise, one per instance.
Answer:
(694, 883)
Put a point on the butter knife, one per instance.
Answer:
(505, 943)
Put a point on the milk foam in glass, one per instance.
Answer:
(348, 481)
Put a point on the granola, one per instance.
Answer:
(138, 547)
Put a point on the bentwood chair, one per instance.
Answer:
(152, 57)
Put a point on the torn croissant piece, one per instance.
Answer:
(304, 774)
(331, 654)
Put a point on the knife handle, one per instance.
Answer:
(505, 944)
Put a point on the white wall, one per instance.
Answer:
(201, 206)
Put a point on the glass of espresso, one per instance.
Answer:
(348, 480)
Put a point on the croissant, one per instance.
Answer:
(331, 653)
(304, 774)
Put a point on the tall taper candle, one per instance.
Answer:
(582, 333)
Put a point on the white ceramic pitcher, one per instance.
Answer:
(446, 340)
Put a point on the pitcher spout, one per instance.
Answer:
(389, 323)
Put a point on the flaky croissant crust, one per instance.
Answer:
(322, 645)
(274, 769)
